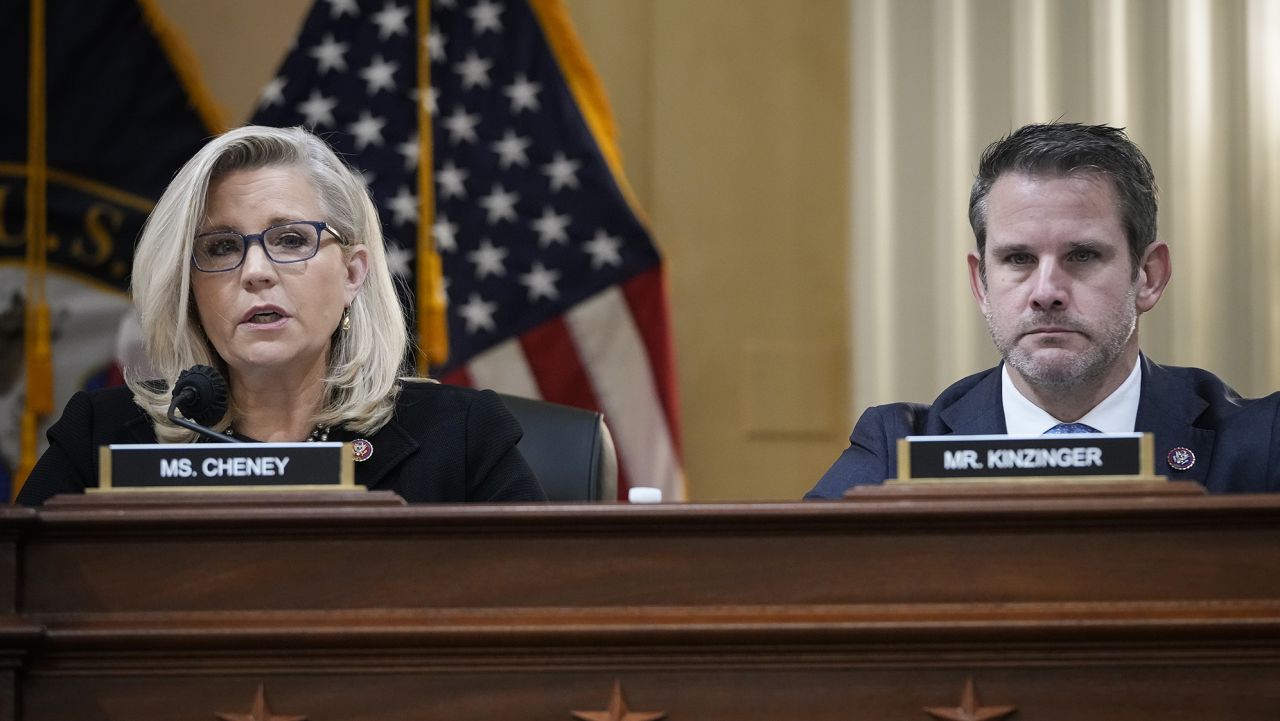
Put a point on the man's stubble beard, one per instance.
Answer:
(1079, 371)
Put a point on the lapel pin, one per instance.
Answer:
(361, 450)
(1181, 459)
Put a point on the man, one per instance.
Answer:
(1067, 259)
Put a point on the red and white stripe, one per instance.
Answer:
(610, 353)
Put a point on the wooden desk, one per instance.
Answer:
(1080, 610)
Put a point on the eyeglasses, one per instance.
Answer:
(224, 250)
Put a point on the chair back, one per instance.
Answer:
(569, 449)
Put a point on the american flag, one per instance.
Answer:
(555, 290)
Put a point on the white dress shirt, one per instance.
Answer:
(1117, 413)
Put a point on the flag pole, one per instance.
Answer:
(433, 329)
(37, 346)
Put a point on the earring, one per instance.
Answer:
(346, 319)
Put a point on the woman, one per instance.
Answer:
(265, 259)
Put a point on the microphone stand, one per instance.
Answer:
(190, 425)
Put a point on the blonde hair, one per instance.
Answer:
(365, 361)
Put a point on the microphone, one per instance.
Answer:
(201, 395)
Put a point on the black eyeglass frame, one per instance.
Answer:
(260, 239)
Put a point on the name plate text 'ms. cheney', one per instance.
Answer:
(1000, 456)
(226, 465)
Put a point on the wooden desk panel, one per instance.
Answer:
(1091, 608)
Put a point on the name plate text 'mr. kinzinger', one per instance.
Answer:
(1088, 456)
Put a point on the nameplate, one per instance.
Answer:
(1083, 456)
(226, 466)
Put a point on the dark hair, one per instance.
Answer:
(1062, 149)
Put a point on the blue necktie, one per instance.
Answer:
(1071, 428)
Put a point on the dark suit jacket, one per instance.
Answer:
(444, 443)
(1235, 440)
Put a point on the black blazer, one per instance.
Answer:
(1236, 441)
(444, 443)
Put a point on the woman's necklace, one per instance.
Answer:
(361, 448)
(319, 434)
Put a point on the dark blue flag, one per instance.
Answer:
(121, 112)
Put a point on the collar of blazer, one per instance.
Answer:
(1170, 408)
(979, 410)
(392, 444)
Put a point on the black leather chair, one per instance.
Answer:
(570, 450)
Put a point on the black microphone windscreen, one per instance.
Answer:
(201, 394)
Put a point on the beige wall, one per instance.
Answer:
(733, 117)
(751, 156)
(237, 43)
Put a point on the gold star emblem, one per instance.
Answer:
(259, 712)
(970, 708)
(618, 710)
